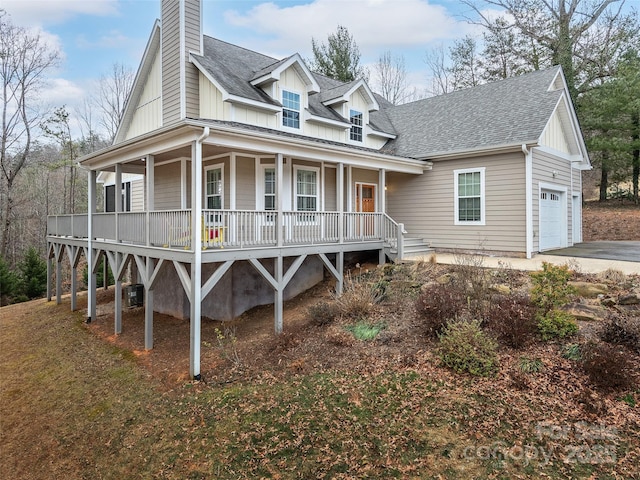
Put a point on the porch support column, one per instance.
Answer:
(349, 188)
(279, 201)
(232, 181)
(340, 269)
(58, 250)
(149, 177)
(279, 291)
(382, 207)
(196, 263)
(340, 200)
(118, 203)
(148, 305)
(91, 288)
(74, 257)
(49, 271)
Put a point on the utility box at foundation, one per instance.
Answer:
(134, 295)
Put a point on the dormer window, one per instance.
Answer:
(290, 109)
(356, 125)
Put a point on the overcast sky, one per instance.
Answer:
(92, 35)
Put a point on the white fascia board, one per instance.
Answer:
(378, 133)
(152, 47)
(268, 143)
(360, 84)
(475, 152)
(252, 103)
(327, 121)
(302, 69)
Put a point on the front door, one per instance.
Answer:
(365, 203)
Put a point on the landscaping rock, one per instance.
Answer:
(589, 290)
(629, 299)
(502, 288)
(608, 301)
(445, 279)
(585, 312)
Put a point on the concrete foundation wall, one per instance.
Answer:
(240, 289)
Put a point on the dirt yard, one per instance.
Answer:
(612, 220)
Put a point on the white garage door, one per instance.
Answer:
(552, 225)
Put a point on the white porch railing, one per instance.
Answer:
(229, 228)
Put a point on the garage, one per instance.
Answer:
(552, 220)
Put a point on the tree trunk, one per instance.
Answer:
(604, 180)
(636, 155)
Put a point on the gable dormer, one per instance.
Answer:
(343, 94)
(272, 73)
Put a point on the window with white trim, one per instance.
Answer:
(269, 188)
(306, 190)
(290, 109)
(355, 133)
(214, 188)
(469, 196)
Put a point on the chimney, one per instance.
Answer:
(181, 24)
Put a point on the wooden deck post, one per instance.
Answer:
(91, 276)
(148, 306)
(49, 272)
(279, 290)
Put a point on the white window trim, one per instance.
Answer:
(362, 127)
(456, 220)
(300, 117)
(260, 191)
(295, 186)
(204, 187)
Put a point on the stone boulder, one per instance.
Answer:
(589, 290)
(629, 299)
(583, 311)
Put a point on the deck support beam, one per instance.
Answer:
(49, 271)
(91, 288)
(58, 253)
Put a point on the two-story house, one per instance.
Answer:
(237, 179)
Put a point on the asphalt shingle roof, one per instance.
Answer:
(511, 111)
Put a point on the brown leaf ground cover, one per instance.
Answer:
(77, 401)
(611, 220)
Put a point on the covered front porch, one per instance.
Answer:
(204, 200)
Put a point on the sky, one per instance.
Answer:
(93, 35)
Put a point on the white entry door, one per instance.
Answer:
(552, 220)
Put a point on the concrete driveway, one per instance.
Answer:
(621, 251)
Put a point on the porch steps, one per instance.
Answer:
(414, 249)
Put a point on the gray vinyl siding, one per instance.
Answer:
(192, 42)
(246, 179)
(167, 186)
(544, 166)
(137, 195)
(170, 61)
(364, 176)
(425, 204)
(330, 200)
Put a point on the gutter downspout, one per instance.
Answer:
(196, 266)
(528, 175)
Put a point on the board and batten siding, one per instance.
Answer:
(425, 204)
(554, 136)
(552, 170)
(147, 115)
(167, 186)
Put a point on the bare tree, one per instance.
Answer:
(571, 31)
(438, 63)
(24, 59)
(465, 63)
(113, 91)
(390, 74)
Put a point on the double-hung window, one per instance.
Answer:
(213, 190)
(306, 192)
(355, 133)
(469, 196)
(290, 109)
(269, 188)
